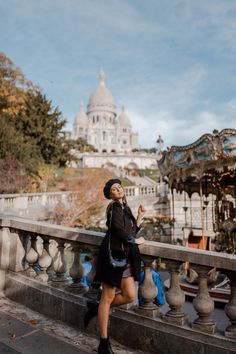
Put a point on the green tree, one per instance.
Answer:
(82, 145)
(12, 142)
(45, 176)
(43, 124)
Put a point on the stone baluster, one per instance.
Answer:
(76, 272)
(25, 241)
(175, 297)
(94, 291)
(148, 291)
(51, 248)
(44, 261)
(32, 257)
(230, 308)
(60, 266)
(203, 303)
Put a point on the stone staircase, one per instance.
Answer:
(141, 181)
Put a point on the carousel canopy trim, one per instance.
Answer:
(212, 159)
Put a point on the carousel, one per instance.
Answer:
(206, 167)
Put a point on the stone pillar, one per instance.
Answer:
(44, 261)
(136, 191)
(60, 265)
(52, 250)
(175, 296)
(230, 308)
(32, 257)
(4, 256)
(148, 292)
(17, 251)
(76, 272)
(5, 247)
(203, 303)
(1, 205)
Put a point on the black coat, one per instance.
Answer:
(122, 225)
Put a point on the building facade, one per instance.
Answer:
(101, 127)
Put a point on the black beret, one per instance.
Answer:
(106, 189)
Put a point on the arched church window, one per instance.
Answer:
(124, 142)
(97, 118)
(93, 119)
(124, 130)
(104, 135)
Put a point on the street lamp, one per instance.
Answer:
(159, 143)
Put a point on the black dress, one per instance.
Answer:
(123, 231)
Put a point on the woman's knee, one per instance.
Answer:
(107, 300)
(107, 296)
(130, 297)
(128, 289)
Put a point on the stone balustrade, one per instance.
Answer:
(135, 191)
(37, 251)
(34, 205)
(26, 200)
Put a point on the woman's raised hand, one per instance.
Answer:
(141, 210)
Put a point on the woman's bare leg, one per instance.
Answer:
(109, 299)
(128, 292)
(108, 295)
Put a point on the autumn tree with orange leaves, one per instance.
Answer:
(31, 129)
(13, 87)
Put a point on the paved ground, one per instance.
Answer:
(27, 332)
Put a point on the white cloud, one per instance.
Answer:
(177, 131)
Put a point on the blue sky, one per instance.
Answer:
(171, 63)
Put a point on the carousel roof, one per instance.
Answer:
(209, 161)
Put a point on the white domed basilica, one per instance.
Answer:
(100, 127)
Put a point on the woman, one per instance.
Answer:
(122, 228)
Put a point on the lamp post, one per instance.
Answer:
(159, 143)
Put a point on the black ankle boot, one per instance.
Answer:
(92, 311)
(105, 346)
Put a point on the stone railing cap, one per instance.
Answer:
(149, 248)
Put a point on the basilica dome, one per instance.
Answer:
(101, 98)
(81, 118)
(124, 119)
